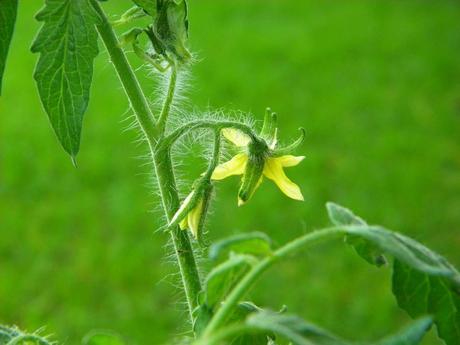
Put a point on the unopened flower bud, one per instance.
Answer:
(252, 176)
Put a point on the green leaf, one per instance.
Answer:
(103, 337)
(293, 328)
(67, 43)
(224, 277)
(423, 281)
(411, 335)
(420, 293)
(8, 10)
(342, 216)
(240, 314)
(254, 243)
(300, 332)
(149, 6)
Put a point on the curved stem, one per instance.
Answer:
(128, 80)
(25, 338)
(215, 156)
(170, 139)
(243, 286)
(161, 124)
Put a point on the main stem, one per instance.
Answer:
(180, 239)
(128, 80)
(161, 155)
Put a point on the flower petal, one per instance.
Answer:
(183, 225)
(273, 170)
(194, 218)
(234, 166)
(182, 207)
(289, 160)
(236, 137)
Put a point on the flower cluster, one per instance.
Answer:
(258, 157)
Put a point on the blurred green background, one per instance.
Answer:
(375, 83)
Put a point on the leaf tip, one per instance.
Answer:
(73, 158)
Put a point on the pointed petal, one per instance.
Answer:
(234, 166)
(289, 160)
(182, 207)
(194, 217)
(274, 171)
(236, 137)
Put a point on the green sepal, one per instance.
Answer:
(8, 12)
(269, 127)
(289, 149)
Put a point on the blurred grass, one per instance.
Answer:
(375, 83)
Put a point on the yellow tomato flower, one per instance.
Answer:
(192, 220)
(273, 166)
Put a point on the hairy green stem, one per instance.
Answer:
(217, 125)
(180, 239)
(128, 80)
(215, 156)
(204, 179)
(161, 157)
(251, 277)
(28, 338)
(161, 124)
